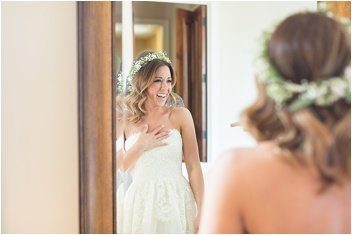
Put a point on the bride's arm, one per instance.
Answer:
(120, 141)
(191, 156)
(131, 156)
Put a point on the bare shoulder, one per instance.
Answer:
(179, 112)
(180, 116)
(244, 156)
(232, 161)
(252, 164)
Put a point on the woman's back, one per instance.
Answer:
(270, 195)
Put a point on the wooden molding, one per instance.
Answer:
(96, 136)
(191, 69)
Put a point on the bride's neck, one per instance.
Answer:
(153, 110)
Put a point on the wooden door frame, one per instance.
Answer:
(96, 112)
(191, 69)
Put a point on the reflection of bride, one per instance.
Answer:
(123, 180)
(159, 199)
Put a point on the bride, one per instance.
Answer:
(157, 137)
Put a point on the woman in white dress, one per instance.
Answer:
(157, 138)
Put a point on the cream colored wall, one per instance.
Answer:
(39, 118)
(232, 50)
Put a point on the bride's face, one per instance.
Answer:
(159, 90)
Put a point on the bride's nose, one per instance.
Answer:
(164, 84)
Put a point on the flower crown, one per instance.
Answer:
(321, 93)
(143, 61)
(138, 64)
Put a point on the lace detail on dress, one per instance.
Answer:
(160, 199)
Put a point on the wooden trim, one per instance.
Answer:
(96, 145)
(182, 60)
(199, 86)
(191, 69)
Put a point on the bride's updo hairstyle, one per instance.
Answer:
(307, 47)
(141, 78)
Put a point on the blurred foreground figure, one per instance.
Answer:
(297, 179)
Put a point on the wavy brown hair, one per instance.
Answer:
(135, 101)
(314, 47)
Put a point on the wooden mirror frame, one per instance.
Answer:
(96, 118)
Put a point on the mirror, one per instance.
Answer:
(180, 31)
(150, 34)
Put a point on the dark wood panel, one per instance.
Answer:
(182, 61)
(96, 137)
(191, 68)
(199, 85)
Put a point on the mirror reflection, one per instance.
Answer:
(149, 35)
(161, 120)
(180, 31)
(158, 136)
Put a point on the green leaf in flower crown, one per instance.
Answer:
(278, 92)
(348, 95)
(323, 93)
(300, 102)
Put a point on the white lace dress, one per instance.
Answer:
(160, 199)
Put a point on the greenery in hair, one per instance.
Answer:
(321, 93)
(137, 65)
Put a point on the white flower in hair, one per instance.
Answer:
(143, 61)
(321, 93)
(338, 87)
(138, 64)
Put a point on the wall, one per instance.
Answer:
(39, 118)
(234, 30)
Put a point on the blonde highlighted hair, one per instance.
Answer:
(135, 101)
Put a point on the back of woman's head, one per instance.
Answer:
(307, 48)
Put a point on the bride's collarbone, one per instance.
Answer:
(152, 126)
(156, 123)
(153, 123)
